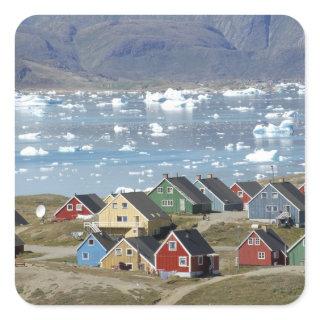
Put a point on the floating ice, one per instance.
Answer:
(157, 130)
(260, 155)
(127, 148)
(117, 102)
(124, 190)
(32, 136)
(202, 97)
(119, 129)
(229, 147)
(238, 174)
(272, 115)
(69, 136)
(285, 129)
(241, 146)
(259, 176)
(102, 104)
(165, 164)
(244, 92)
(216, 116)
(218, 164)
(152, 98)
(31, 151)
(172, 94)
(86, 148)
(46, 169)
(69, 149)
(242, 109)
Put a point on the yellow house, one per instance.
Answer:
(109, 198)
(133, 214)
(134, 254)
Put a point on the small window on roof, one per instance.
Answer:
(264, 195)
(90, 242)
(275, 195)
(124, 205)
(78, 207)
(160, 190)
(114, 205)
(250, 241)
(69, 207)
(172, 245)
(169, 190)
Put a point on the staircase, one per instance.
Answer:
(92, 227)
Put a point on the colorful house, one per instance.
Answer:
(19, 245)
(20, 220)
(221, 197)
(179, 195)
(93, 248)
(262, 247)
(133, 214)
(246, 190)
(109, 198)
(80, 206)
(134, 254)
(296, 253)
(278, 202)
(186, 253)
(301, 188)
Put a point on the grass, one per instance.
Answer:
(295, 179)
(258, 290)
(184, 221)
(29, 255)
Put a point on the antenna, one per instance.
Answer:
(40, 212)
(272, 173)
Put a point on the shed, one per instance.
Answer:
(296, 253)
(19, 245)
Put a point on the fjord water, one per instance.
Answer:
(93, 142)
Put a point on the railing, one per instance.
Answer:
(115, 224)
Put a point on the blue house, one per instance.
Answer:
(278, 202)
(221, 197)
(93, 248)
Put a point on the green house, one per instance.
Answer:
(296, 253)
(179, 195)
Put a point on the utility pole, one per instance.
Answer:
(272, 173)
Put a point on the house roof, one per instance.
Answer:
(20, 220)
(145, 205)
(91, 201)
(217, 187)
(193, 241)
(189, 189)
(296, 243)
(104, 240)
(289, 191)
(271, 239)
(18, 241)
(250, 187)
(146, 245)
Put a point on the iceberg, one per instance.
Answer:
(260, 155)
(124, 190)
(241, 146)
(32, 136)
(67, 149)
(127, 148)
(31, 151)
(285, 129)
(242, 109)
(69, 136)
(157, 130)
(86, 148)
(244, 92)
(117, 102)
(229, 147)
(119, 129)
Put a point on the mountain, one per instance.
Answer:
(89, 51)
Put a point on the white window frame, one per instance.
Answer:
(285, 209)
(160, 190)
(115, 205)
(89, 242)
(264, 193)
(79, 207)
(240, 194)
(129, 255)
(250, 241)
(69, 207)
(122, 219)
(185, 258)
(261, 255)
(167, 203)
(275, 195)
(88, 257)
(270, 208)
(124, 205)
(170, 190)
(175, 245)
(118, 251)
(130, 264)
(277, 208)
(257, 241)
(200, 260)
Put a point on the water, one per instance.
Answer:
(195, 143)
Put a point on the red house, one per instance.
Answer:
(186, 253)
(80, 206)
(246, 190)
(301, 188)
(262, 247)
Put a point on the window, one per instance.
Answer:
(172, 245)
(276, 254)
(274, 208)
(91, 242)
(129, 266)
(202, 190)
(169, 190)
(183, 261)
(257, 241)
(118, 252)
(240, 194)
(78, 207)
(122, 218)
(200, 260)
(167, 203)
(264, 195)
(268, 208)
(250, 241)
(287, 208)
(69, 207)
(274, 195)
(129, 252)
(124, 205)
(159, 190)
(261, 255)
(114, 205)
(85, 255)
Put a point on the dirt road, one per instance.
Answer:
(50, 252)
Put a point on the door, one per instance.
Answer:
(182, 205)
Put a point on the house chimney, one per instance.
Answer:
(210, 175)
(165, 176)
(198, 177)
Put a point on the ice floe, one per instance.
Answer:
(67, 149)
(31, 151)
(127, 148)
(69, 136)
(117, 102)
(261, 155)
(157, 130)
(244, 92)
(86, 148)
(242, 109)
(119, 129)
(259, 176)
(229, 147)
(124, 190)
(241, 146)
(285, 129)
(32, 136)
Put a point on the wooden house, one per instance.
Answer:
(179, 195)
(136, 253)
(93, 248)
(133, 214)
(80, 206)
(296, 253)
(109, 198)
(186, 253)
(262, 247)
(301, 188)
(278, 202)
(246, 190)
(20, 220)
(19, 245)
(221, 197)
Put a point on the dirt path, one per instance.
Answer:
(215, 218)
(173, 297)
(50, 252)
